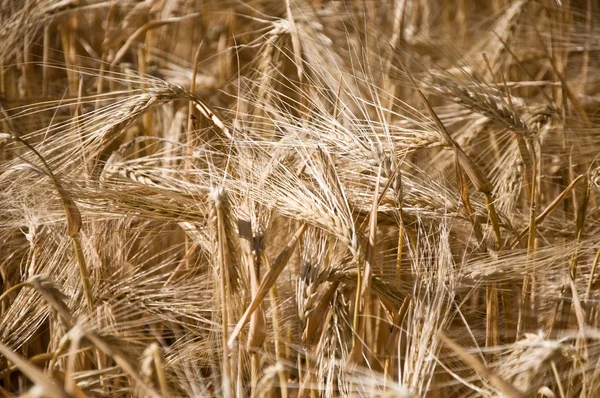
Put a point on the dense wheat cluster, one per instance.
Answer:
(301, 198)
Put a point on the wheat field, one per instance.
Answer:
(299, 198)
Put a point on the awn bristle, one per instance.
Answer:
(299, 198)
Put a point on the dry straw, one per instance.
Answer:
(391, 198)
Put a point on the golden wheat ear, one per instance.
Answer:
(308, 198)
